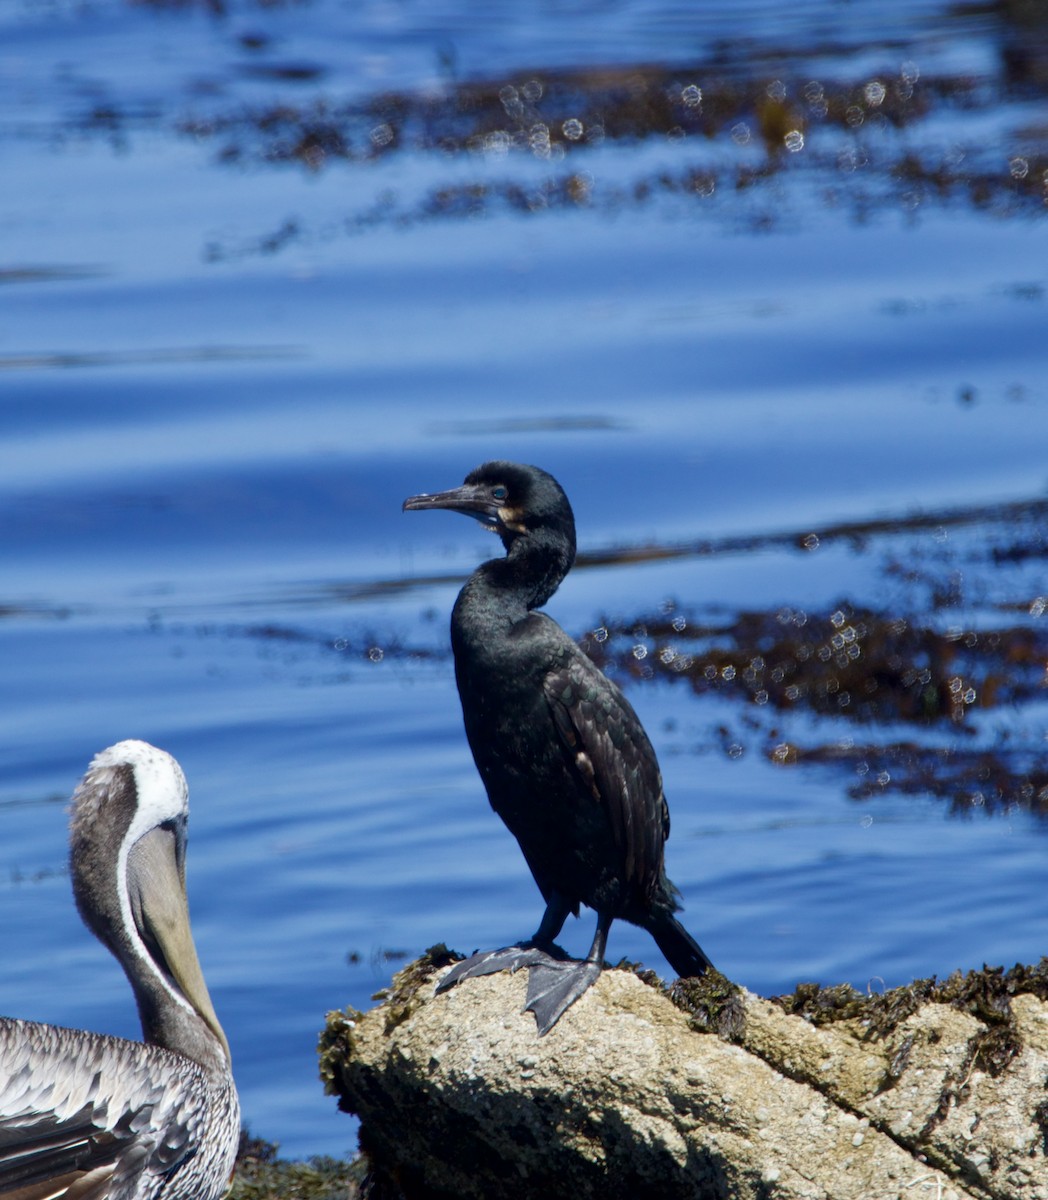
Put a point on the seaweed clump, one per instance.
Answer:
(853, 662)
(713, 1003)
(985, 995)
(991, 779)
(557, 116)
(401, 996)
(335, 1047)
(866, 668)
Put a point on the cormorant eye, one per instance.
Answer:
(500, 493)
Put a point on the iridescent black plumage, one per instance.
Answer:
(563, 756)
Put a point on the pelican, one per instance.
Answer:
(86, 1116)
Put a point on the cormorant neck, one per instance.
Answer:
(532, 570)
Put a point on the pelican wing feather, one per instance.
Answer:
(84, 1116)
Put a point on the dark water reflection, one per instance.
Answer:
(268, 269)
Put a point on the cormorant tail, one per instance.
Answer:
(682, 951)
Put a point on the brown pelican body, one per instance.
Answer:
(85, 1116)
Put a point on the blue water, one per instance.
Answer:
(204, 446)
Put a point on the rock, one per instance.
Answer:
(821, 1094)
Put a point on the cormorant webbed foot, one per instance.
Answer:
(488, 962)
(555, 981)
(555, 985)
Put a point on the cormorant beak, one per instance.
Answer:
(473, 499)
(161, 913)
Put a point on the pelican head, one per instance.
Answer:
(128, 862)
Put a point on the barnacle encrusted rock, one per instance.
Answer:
(938, 1092)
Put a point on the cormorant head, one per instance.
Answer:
(519, 503)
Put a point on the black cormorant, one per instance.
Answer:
(565, 760)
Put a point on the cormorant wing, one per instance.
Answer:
(82, 1116)
(611, 753)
